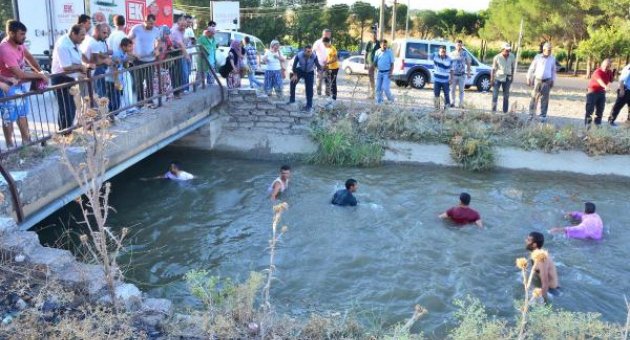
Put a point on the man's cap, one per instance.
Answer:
(507, 46)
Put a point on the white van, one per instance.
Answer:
(414, 66)
(225, 37)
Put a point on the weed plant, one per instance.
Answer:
(342, 145)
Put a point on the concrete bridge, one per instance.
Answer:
(231, 121)
(45, 184)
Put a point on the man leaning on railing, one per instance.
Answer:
(96, 54)
(67, 67)
(13, 59)
(144, 37)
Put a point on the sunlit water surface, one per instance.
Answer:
(378, 259)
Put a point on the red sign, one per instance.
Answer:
(136, 10)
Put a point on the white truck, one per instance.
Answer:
(46, 20)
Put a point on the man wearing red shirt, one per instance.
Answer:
(462, 214)
(596, 96)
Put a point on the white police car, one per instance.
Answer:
(414, 66)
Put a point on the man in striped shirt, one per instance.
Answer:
(442, 76)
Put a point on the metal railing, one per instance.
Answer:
(41, 114)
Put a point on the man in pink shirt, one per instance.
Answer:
(590, 227)
(322, 57)
(13, 59)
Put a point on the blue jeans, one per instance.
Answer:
(382, 84)
(444, 87)
(309, 79)
(253, 82)
(186, 73)
(505, 85)
(99, 85)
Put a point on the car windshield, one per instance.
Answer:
(222, 39)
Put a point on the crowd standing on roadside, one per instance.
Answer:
(94, 49)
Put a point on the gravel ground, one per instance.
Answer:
(565, 102)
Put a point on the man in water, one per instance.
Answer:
(545, 274)
(345, 197)
(280, 184)
(463, 214)
(590, 227)
(174, 172)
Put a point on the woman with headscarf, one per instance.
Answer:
(275, 67)
(163, 46)
(234, 58)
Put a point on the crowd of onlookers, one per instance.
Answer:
(103, 53)
(161, 62)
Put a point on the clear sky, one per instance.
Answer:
(467, 5)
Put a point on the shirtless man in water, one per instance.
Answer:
(280, 184)
(546, 276)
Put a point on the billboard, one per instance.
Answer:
(133, 10)
(227, 14)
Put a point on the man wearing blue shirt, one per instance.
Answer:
(384, 61)
(442, 77)
(623, 95)
(304, 68)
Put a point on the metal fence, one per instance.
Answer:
(34, 116)
(43, 113)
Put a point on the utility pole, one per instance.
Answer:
(518, 47)
(381, 21)
(407, 20)
(394, 20)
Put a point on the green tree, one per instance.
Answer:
(362, 14)
(6, 12)
(426, 23)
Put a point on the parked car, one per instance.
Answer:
(224, 38)
(354, 65)
(288, 51)
(413, 65)
(560, 68)
(343, 54)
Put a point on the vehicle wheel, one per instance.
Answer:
(348, 70)
(401, 83)
(483, 83)
(418, 80)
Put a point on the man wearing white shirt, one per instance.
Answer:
(67, 58)
(86, 22)
(144, 37)
(117, 35)
(541, 75)
(322, 57)
(97, 55)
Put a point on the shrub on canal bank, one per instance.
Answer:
(342, 145)
(358, 137)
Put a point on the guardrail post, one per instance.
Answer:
(15, 195)
(158, 69)
(90, 88)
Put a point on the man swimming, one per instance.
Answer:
(463, 214)
(590, 227)
(345, 197)
(545, 274)
(280, 184)
(174, 172)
